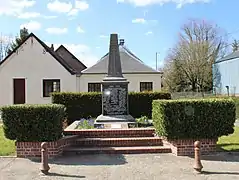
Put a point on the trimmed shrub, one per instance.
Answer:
(33, 123)
(88, 104)
(194, 118)
(79, 105)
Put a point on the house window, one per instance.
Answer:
(94, 87)
(146, 86)
(50, 85)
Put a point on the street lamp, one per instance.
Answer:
(157, 53)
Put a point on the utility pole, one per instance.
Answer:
(157, 53)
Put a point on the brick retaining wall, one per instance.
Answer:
(186, 147)
(33, 149)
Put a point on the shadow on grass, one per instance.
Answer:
(233, 147)
(63, 175)
(211, 173)
(87, 160)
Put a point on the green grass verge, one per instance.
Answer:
(230, 142)
(7, 146)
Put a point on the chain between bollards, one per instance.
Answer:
(197, 163)
(44, 159)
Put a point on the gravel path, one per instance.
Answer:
(123, 167)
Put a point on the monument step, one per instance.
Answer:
(111, 133)
(116, 142)
(117, 150)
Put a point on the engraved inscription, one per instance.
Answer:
(114, 99)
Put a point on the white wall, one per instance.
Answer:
(227, 75)
(32, 64)
(134, 81)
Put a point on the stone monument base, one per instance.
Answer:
(114, 118)
(103, 120)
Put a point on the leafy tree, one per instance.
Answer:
(189, 63)
(235, 45)
(23, 35)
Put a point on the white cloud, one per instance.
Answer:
(57, 31)
(80, 30)
(81, 51)
(148, 33)
(14, 7)
(60, 7)
(31, 25)
(179, 3)
(81, 5)
(28, 15)
(139, 20)
(67, 7)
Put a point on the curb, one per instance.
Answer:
(8, 157)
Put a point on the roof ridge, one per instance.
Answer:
(228, 57)
(74, 57)
(47, 48)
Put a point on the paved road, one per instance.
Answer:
(123, 167)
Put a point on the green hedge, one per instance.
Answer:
(29, 123)
(195, 118)
(85, 105)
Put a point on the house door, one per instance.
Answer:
(19, 93)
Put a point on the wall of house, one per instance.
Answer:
(226, 73)
(32, 64)
(134, 81)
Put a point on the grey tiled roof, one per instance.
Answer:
(229, 57)
(129, 63)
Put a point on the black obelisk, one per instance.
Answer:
(114, 89)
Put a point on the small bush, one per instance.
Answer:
(199, 118)
(29, 123)
(86, 105)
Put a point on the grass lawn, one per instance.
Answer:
(7, 146)
(229, 143)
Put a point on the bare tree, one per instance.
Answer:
(235, 45)
(5, 43)
(200, 44)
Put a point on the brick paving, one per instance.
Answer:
(220, 166)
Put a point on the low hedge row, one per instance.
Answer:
(85, 105)
(30, 123)
(194, 118)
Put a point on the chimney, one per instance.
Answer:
(52, 47)
(121, 42)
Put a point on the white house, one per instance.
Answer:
(33, 70)
(140, 76)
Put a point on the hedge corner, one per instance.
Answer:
(194, 118)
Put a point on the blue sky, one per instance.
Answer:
(84, 26)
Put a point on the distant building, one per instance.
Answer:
(33, 70)
(226, 74)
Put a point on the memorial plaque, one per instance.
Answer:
(115, 97)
